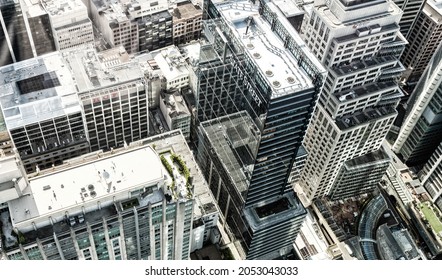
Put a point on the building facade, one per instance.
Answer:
(252, 121)
(420, 134)
(42, 112)
(113, 97)
(431, 177)
(360, 43)
(71, 26)
(187, 23)
(411, 9)
(360, 175)
(424, 38)
(105, 206)
(16, 43)
(136, 25)
(175, 112)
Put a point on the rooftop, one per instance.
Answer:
(350, 3)
(310, 242)
(62, 7)
(365, 116)
(37, 89)
(288, 8)
(265, 48)
(365, 90)
(376, 156)
(171, 63)
(234, 139)
(175, 104)
(436, 5)
(186, 10)
(264, 214)
(34, 9)
(86, 184)
(93, 70)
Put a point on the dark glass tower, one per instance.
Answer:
(14, 38)
(257, 89)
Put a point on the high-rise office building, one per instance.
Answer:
(360, 175)
(431, 177)
(42, 111)
(411, 9)
(40, 29)
(420, 133)
(360, 43)
(15, 40)
(424, 38)
(105, 206)
(112, 93)
(257, 87)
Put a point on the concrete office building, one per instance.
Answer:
(104, 206)
(420, 133)
(254, 102)
(71, 26)
(360, 44)
(424, 38)
(112, 93)
(42, 112)
(411, 9)
(431, 177)
(360, 175)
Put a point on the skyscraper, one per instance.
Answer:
(119, 205)
(15, 41)
(431, 177)
(411, 9)
(257, 87)
(420, 133)
(360, 43)
(424, 37)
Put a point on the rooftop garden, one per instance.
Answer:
(176, 167)
(432, 216)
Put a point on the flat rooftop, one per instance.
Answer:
(350, 3)
(94, 181)
(171, 63)
(233, 145)
(370, 114)
(288, 7)
(186, 10)
(62, 7)
(366, 89)
(436, 5)
(264, 215)
(37, 89)
(8, 171)
(373, 157)
(94, 70)
(276, 65)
